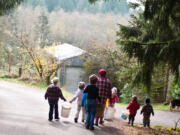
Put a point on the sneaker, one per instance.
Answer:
(96, 124)
(91, 128)
(75, 120)
(50, 120)
(57, 118)
(87, 126)
(82, 121)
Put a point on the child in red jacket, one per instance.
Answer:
(133, 107)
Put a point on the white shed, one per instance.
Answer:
(71, 72)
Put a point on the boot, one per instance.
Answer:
(75, 120)
(96, 121)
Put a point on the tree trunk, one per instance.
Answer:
(168, 98)
(48, 81)
(167, 85)
(20, 71)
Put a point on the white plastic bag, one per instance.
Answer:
(109, 113)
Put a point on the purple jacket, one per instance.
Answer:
(53, 94)
(78, 95)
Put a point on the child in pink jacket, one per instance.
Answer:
(114, 97)
(78, 96)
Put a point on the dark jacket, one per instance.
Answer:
(147, 110)
(93, 92)
(53, 94)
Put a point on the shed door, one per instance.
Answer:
(73, 76)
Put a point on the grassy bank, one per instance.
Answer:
(41, 85)
(155, 106)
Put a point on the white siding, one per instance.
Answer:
(73, 76)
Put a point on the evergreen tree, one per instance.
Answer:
(6, 5)
(153, 37)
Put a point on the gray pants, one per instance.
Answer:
(79, 108)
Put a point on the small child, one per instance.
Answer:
(146, 111)
(78, 95)
(92, 94)
(114, 97)
(53, 94)
(133, 107)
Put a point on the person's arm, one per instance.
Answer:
(83, 99)
(61, 95)
(142, 110)
(152, 111)
(46, 94)
(98, 95)
(86, 90)
(117, 99)
(129, 106)
(75, 96)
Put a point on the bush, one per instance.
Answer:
(128, 92)
(175, 90)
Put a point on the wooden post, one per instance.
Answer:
(20, 71)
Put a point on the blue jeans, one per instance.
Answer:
(90, 112)
(52, 107)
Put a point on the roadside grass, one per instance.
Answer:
(165, 128)
(155, 106)
(139, 129)
(40, 85)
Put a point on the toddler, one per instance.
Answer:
(78, 96)
(146, 111)
(114, 97)
(133, 107)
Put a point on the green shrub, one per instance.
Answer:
(128, 92)
(175, 90)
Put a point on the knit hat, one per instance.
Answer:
(102, 72)
(148, 100)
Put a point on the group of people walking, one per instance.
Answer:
(92, 100)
